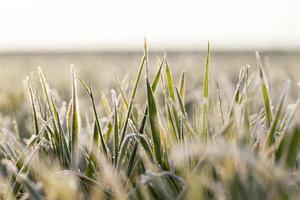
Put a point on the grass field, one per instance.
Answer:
(149, 126)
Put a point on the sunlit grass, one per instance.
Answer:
(161, 148)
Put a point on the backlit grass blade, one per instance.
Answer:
(182, 86)
(45, 89)
(109, 129)
(220, 104)
(154, 124)
(271, 134)
(96, 139)
(33, 106)
(170, 82)
(237, 93)
(265, 91)
(132, 97)
(143, 122)
(59, 137)
(205, 95)
(89, 90)
(175, 117)
(122, 93)
(116, 127)
(63, 149)
(157, 76)
(75, 118)
(171, 122)
(182, 108)
(105, 104)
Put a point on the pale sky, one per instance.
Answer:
(50, 25)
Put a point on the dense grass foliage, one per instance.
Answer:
(162, 148)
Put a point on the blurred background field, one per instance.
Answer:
(103, 70)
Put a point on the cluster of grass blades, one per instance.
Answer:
(159, 151)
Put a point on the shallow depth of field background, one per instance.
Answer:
(102, 36)
(105, 42)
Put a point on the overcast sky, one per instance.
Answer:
(168, 25)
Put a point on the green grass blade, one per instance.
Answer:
(170, 82)
(89, 90)
(157, 76)
(154, 124)
(205, 95)
(237, 93)
(171, 123)
(265, 90)
(122, 93)
(59, 137)
(105, 104)
(33, 106)
(271, 135)
(96, 135)
(143, 122)
(132, 97)
(182, 86)
(75, 118)
(116, 127)
(182, 108)
(220, 104)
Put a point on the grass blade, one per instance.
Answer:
(75, 119)
(33, 106)
(116, 127)
(157, 76)
(265, 90)
(182, 86)
(154, 124)
(143, 123)
(132, 97)
(170, 82)
(205, 95)
(89, 90)
(271, 134)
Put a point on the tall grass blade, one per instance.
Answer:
(143, 122)
(89, 90)
(154, 124)
(33, 106)
(271, 135)
(205, 95)
(182, 86)
(116, 127)
(265, 90)
(157, 76)
(170, 82)
(132, 97)
(75, 118)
